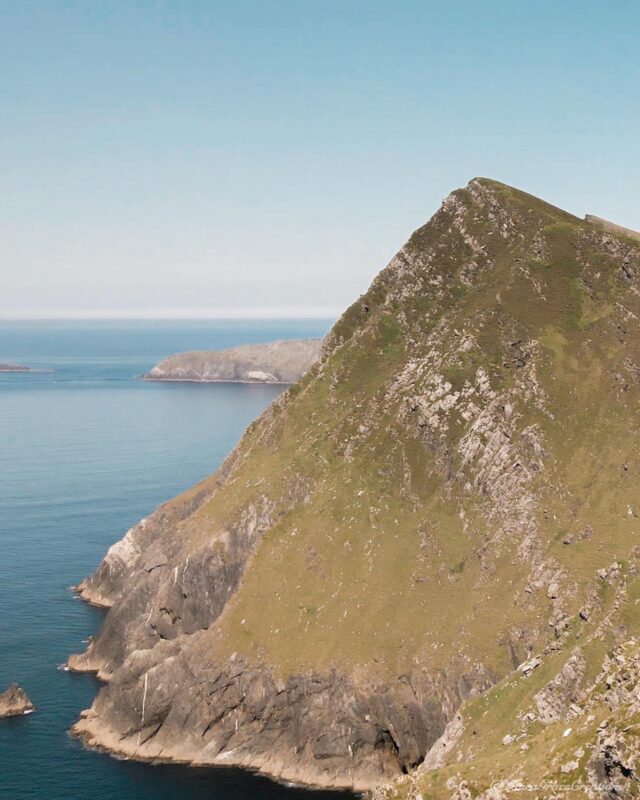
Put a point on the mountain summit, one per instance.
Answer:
(422, 559)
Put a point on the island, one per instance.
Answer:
(8, 367)
(14, 368)
(272, 362)
(14, 702)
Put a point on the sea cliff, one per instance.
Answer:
(417, 572)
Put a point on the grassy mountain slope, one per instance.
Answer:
(428, 508)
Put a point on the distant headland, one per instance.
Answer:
(5, 367)
(273, 362)
(14, 368)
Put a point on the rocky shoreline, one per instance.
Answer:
(95, 736)
(237, 713)
(238, 710)
(294, 731)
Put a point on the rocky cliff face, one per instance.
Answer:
(432, 507)
(271, 362)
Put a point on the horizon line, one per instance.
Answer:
(175, 314)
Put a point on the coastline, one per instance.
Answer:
(79, 662)
(83, 592)
(36, 753)
(150, 379)
(95, 736)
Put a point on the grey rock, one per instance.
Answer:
(555, 699)
(14, 702)
(528, 666)
(233, 713)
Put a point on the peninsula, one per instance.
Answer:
(273, 362)
(419, 571)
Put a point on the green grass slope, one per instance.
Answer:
(477, 410)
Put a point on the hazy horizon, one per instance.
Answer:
(176, 314)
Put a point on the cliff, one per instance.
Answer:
(273, 362)
(422, 559)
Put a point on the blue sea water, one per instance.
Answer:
(85, 451)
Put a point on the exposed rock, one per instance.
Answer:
(444, 745)
(273, 362)
(554, 701)
(14, 702)
(527, 667)
(613, 767)
(309, 728)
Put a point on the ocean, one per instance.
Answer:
(86, 450)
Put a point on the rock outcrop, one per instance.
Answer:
(273, 362)
(14, 702)
(450, 493)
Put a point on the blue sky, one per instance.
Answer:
(197, 158)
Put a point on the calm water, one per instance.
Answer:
(85, 451)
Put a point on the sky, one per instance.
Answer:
(200, 158)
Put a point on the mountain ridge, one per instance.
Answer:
(403, 528)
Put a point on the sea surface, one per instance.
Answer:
(86, 450)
